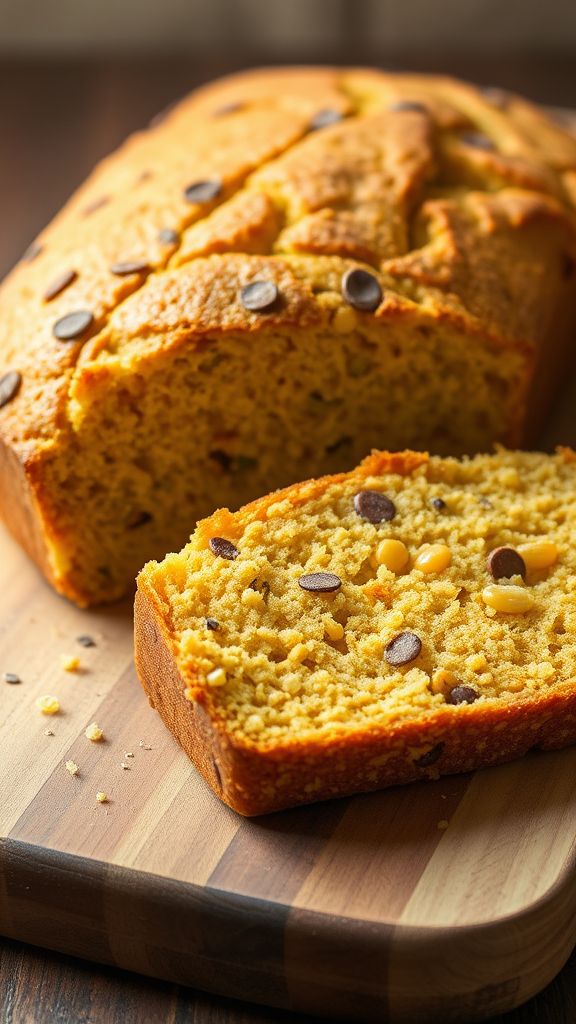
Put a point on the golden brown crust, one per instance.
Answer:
(256, 779)
(458, 231)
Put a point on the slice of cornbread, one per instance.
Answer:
(412, 618)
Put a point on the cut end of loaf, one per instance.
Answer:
(366, 629)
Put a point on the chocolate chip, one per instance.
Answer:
(12, 678)
(505, 562)
(320, 582)
(223, 548)
(59, 285)
(85, 641)
(9, 386)
(259, 295)
(33, 250)
(203, 191)
(361, 290)
(324, 118)
(403, 648)
(477, 139)
(462, 695)
(167, 236)
(430, 757)
(439, 504)
(399, 105)
(228, 108)
(212, 624)
(374, 506)
(129, 267)
(96, 204)
(73, 325)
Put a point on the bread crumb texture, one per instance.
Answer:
(385, 274)
(389, 644)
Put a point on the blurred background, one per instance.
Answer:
(77, 75)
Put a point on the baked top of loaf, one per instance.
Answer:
(291, 175)
(413, 603)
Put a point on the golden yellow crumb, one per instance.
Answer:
(101, 797)
(94, 733)
(70, 662)
(48, 705)
(128, 753)
(125, 766)
(72, 767)
(48, 732)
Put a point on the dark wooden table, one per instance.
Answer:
(56, 121)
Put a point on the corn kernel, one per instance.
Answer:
(433, 558)
(94, 733)
(512, 599)
(101, 797)
(344, 320)
(333, 630)
(298, 653)
(70, 662)
(48, 705)
(538, 554)
(217, 677)
(392, 553)
(443, 681)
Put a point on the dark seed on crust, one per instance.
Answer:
(59, 284)
(324, 118)
(430, 757)
(212, 624)
(228, 108)
(320, 582)
(9, 386)
(462, 695)
(129, 267)
(86, 641)
(408, 105)
(223, 548)
(477, 139)
(73, 325)
(203, 191)
(12, 678)
(259, 295)
(361, 290)
(505, 562)
(439, 504)
(168, 236)
(33, 250)
(497, 97)
(374, 506)
(96, 204)
(403, 649)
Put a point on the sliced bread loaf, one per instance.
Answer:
(414, 617)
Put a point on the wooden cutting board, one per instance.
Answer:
(439, 901)
(447, 901)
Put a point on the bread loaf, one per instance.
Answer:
(412, 618)
(293, 267)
